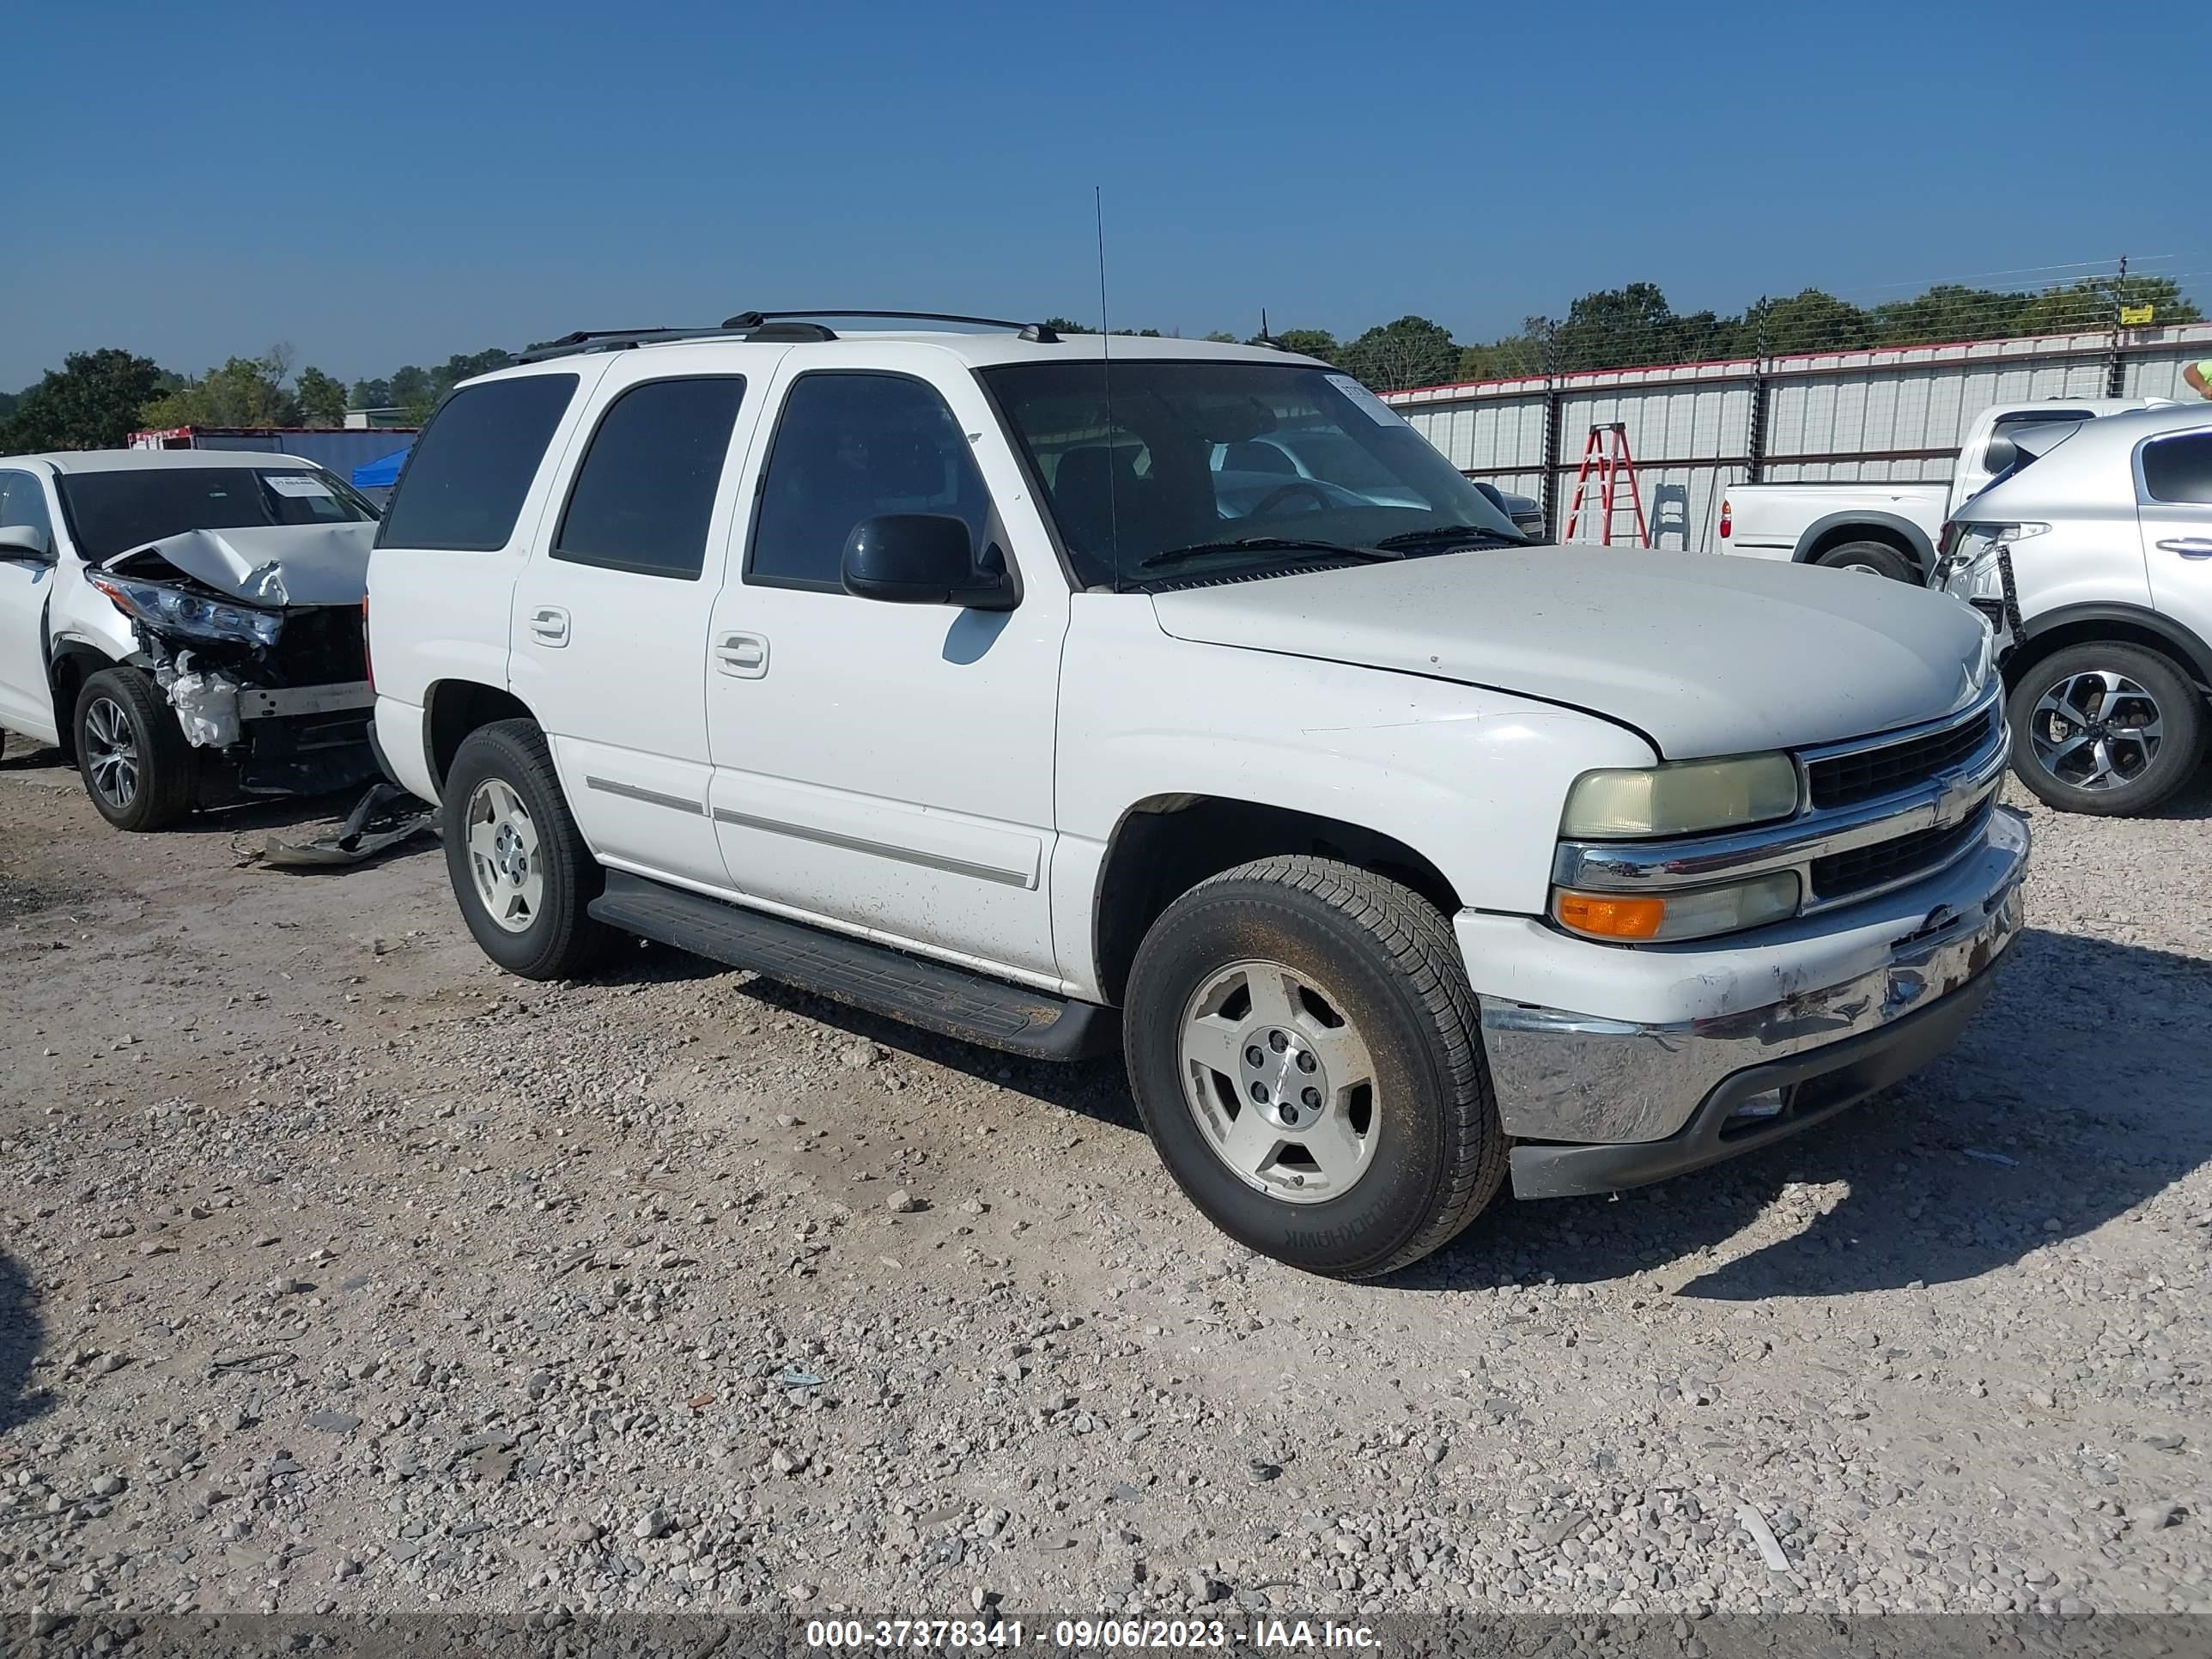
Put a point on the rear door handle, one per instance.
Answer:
(2190, 547)
(549, 625)
(742, 656)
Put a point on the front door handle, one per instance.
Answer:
(549, 625)
(742, 656)
(2190, 547)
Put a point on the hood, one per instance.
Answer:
(1704, 655)
(282, 564)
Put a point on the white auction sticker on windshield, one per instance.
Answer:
(297, 485)
(1371, 406)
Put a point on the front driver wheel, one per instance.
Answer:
(2107, 729)
(1306, 1055)
(136, 765)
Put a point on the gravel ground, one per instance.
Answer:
(341, 1272)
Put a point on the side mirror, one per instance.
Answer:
(922, 558)
(2000, 455)
(23, 541)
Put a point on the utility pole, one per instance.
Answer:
(2115, 370)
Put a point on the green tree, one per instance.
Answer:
(91, 402)
(1810, 319)
(1308, 341)
(409, 385)
(1221, 336)
(1948, 310)
(322, 398)
(371, 394)
(244, 391)
(2094, 303)
(1512, 356)
(1619, 328)
(1412, 351)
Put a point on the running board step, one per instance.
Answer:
(933, 995)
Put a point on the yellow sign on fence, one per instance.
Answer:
(2137, 316)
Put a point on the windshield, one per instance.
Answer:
(111, 513)
(1209, 469)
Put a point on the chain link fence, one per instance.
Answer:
(1813, 399)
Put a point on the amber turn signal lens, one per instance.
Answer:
(1610, 916)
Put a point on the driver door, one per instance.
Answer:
(887, 768)
(26, 584)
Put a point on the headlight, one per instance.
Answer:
(1693, 913)
(1969, 570)
(173, 610)
(1680, 799)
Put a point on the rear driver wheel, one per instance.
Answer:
(518, 866)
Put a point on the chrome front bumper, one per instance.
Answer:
(1590, 1082)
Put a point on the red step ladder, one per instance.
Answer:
(1615, 470)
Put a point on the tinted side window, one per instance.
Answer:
(464, 481)
(23, 501)
(645, 490)
(2179, 469)
(849, 446)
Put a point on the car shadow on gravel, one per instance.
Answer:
(1095, 1089)
(22, 1333)
(2082, 1090)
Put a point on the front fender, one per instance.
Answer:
(1473, 779)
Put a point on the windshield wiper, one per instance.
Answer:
(1263, 544)
(1462, 535)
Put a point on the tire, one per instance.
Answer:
(1874, 559)
(1351, 1201)
(131, 752)
(2058, 707)
(502, 788)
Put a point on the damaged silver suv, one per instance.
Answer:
(185, 625)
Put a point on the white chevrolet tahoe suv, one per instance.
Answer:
(944, 674)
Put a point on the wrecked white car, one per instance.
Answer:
(185, 625)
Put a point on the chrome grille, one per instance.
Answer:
(1888, 863)
(1880, 812)
(1885, 768)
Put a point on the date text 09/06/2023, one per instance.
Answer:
(1083, 1635)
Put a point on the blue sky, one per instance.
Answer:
(394, 183)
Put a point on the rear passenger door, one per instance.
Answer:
(609, 616)
(2173, 504)
(888, 767)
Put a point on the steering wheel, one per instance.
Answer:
(1282, 492)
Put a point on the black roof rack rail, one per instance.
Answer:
(622, 339)
(1036, 333)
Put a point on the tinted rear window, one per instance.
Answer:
(464, 481)
(2179, 469)
(645, 490)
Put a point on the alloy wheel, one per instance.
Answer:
(1280, 1081)
(2097, 729)
(503, 856)
(111, 753)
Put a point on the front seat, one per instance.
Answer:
(1094, 489)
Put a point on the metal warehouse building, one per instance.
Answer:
(1888, 414)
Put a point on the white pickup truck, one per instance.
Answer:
(945, 674)
(1883, 529)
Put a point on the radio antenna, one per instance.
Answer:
(1106, 370)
